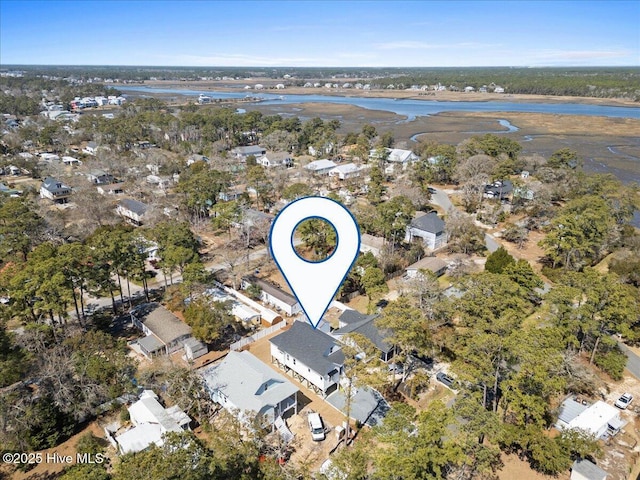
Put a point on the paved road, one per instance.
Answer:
(137, 291)
(633, 360)
(441, 199)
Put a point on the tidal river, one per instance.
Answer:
(410, 108)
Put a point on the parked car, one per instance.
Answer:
(316, 426)
(445, 379)
(624, 401)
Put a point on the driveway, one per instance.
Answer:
(441, 199)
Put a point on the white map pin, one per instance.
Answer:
(314, 283)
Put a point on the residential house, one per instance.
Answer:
(91, 148)
(599, 419)
(151, 421)
(583, 469)
(111, 189)
(429, 228)
(4, 190)
(397, 158)
(500, 189)
(274, 296)
(259, 393)
(498, 89)
(73, 162)
(233, 193)
(371, 243)
(100, 177)
(241, 153)
(434, 265)
(309, 355)
(49, 157)
(346, 171)
(165, 333)
(271, 160)
(55, 190)
(352, 321)
(132, 210)
(320, 167)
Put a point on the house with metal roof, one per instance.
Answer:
(259, 392)
(151, 421)
(242, 153)
(55, 190)
(429, 228)
(165, 333)
(312, 357)
(273, 295)
(346, 171)
(598, 419)
(320, 167)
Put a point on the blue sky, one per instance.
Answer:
(327, 33)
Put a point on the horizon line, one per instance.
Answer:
(2, 65)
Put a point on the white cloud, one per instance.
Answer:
(417, 45)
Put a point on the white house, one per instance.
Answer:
(274, 296)
(151, 421)
(429, 228)
(597, 419)
(271, 160)
(309, 355)
(242, 153)
(55, 190)
(320, 167)
(397, 158)
(71, 161)
(259, 392)
(346, 171)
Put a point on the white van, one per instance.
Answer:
(316, 426)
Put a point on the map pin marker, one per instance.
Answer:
(314, 283)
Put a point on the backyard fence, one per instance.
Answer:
(243, 342)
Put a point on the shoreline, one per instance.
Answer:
(433, 96)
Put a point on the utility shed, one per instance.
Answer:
(585, 470)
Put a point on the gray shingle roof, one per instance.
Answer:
(164, 324)
(55, 186)
(588, 470)
(246, 390)
(357, 322)
(429, 223)
(134, 206)
(314, 348)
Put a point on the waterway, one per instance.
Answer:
(411, 108)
